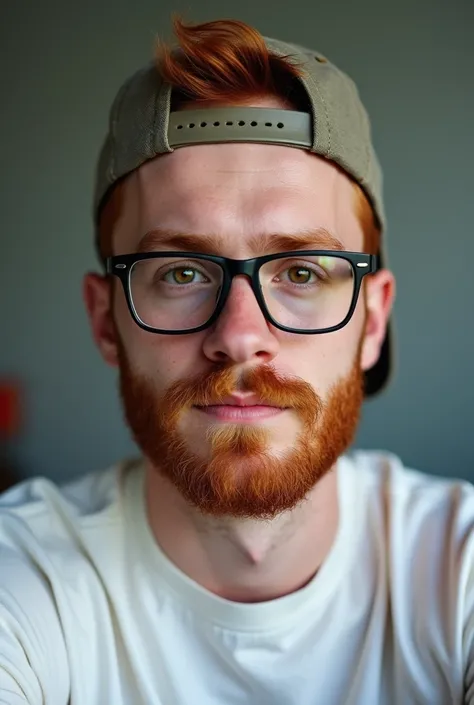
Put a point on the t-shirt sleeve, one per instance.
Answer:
(33, 660)
(468, 623)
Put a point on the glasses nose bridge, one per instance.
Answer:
(243, 267)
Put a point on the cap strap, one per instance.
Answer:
(211, 125)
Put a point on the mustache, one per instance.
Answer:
(270, 386)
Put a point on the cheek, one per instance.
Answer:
(323, 359)
(163, 358)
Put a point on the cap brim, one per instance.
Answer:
(376, 379)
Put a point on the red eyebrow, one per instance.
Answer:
(159, 239)
(171, 240)
(317, 239)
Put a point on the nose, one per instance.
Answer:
(241, 334)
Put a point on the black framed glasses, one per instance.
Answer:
(302, 291)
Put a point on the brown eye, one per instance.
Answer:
(299, 275)
(183, 276)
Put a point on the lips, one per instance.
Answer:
(241, 408)
(244, 401)
(232, 412)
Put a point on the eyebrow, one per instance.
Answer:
(164, 239)
(159, 239)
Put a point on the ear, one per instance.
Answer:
(97, 293)
(379, 297)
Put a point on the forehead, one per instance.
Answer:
(237, 193)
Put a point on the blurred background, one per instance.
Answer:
(61, 65)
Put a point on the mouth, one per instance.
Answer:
(241, 409)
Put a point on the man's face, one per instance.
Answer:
(179, 390)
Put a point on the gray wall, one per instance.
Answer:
(61, 63)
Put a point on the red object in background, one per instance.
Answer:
(9, 408)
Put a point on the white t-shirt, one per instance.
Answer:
(93, 613)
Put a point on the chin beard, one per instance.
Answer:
(241, 477)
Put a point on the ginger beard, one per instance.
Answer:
(241, 477)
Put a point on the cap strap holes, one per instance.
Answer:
(230, 123)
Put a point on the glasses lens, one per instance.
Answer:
(171, 293)
(310, 293)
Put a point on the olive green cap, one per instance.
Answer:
(142, 126)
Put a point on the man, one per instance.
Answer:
(246, 558)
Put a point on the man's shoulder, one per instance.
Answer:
(383, 475)
(46, 511)
(47, 530)
(419, 533)
(420, 523)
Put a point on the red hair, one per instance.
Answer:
(227, 62)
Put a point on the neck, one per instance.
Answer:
(244, 560)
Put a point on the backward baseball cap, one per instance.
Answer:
(142, 126)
